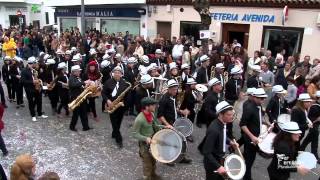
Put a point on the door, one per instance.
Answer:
(17, 20)
(190, 29)
(36, 24)
(240, 32)
(164, 29)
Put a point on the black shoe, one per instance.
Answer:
(318, 161)
(170, 164)
(120, 145)
(185, 161)
(156, 177)
(74, 129)
(5, 154)
(87, 129)
(18, 106)
(199, 125)
(21, 105)
(190, 139)
(5, 106)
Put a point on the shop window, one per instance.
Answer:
(47, 18)
(67, 23)
(277, 39)
(190, 29)
(90, 24)
(116, 26)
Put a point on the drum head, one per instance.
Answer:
(184, 126)
(201, 88)
(235, 166)
(307, 159)
(266, 144)
(166, 146)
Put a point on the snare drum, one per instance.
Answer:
(235, 166)
(265, 145)
(168, 146)
(184, 126)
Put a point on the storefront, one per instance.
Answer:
(253, 25)
(106, 19)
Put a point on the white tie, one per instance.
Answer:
(224, 137)
(236, 86)
(115, 90)
(308, 120)
(222, 80)
(148, 92)
(260, 117)
(279, 107)
(175, 108)
(207, 75)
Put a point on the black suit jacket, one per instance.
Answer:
(76, 86)
(202, 76)
(27, 79)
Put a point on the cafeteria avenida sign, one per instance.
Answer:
(260, 18)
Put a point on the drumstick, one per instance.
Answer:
(238, 149)
(314, 173)
(229, 170)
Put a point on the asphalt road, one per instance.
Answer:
(93, 155)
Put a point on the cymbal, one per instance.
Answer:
(201, 88)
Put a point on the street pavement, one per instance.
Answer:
(93, 155)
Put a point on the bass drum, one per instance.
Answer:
(168, 146)
(184, 126)
(235, 166)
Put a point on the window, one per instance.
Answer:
(67, 24)
(47, 18)
(116, 26)
(277, 39)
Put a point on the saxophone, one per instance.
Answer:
(88, 91)
(119, 101)
(37, 81)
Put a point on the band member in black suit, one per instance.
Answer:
(62, 82)
(285, 153)
(32, 87)
(76, 87)
(144, 89)
(130, 75)
(15, 73)
(173, 72)
(168, 110)
(300, 111)
(112, 89)
(106, 72)
(216, 141)
(233, 85)
(313, 135)
(202, 73)
(253, 80)
(49, 79)
(186, 74)
(7, 78)
(275, 106)
(250, 123)
(159, 60)
(219, 70)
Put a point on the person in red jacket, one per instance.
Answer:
(2, 144)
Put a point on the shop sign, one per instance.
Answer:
(260, 18)
(99, 12)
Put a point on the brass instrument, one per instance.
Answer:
(225, 78)
(181, 92)
(52, 84)
(119, 101)
(212, 72)
(160, 87)
(99, 85)
(37, 82)
(87, 91)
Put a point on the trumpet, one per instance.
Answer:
(212, 72)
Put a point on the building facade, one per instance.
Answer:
(254, 24)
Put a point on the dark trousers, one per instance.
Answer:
(148, 162)
(211, 175)
(80, 111)
(116, 119)
(103, 105)
(130, 102)
(10, 89)
(3, 99)
(64, 100)
(92, 106)
(250, 152)
(2, 173)
(312, 137)
(3, 145)
(34, 99)
(19, 92)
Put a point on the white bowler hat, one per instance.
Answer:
(76, 58)
(304, 97)
(50, 61)
(75, 68)
(191, 81)
(105, 63)
(152, 66)
(213, 82)
(7, 58)
(68, 52)
(318, 94)
(111, 51)
(117, 56)
(250, 91)
(135, 54)
(236, 70)
(132, 60)
(46, 56)
(256, 68)
(185, 66)
(172, 83)
(17, 58)
(220, 66)
(158, 51)
(117, 68)
(204, 58)
(92, 51)
(278, 89)
(31, 60)
(59, 51)
(259, 92)
(106, 56)
(146, 79)
(62, 65)
(145, 59)
(291, 127)
(73, 49)
(173, 65)
(222, 106)
(41, 53)
(283, 119)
